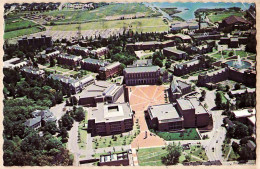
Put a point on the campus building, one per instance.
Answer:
(141, 75)
(178, 88)
(115, 159)
(15, 63)
(36, 42)
(32, 72)
(186, 67)
(185, 113)
(182, 37)
(78, 50)
(184, 25)
(100, 52)
(70, 60)
(150, 45)
(100, 91)
(110, 70)
(209, 79)
(75, 85)
(92, 65)
(235, 22)
(178, 54)
(110, 119)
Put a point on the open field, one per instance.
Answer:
(241, 53)
(219, 17)
(21, 32)
(102, 12)
(197, 151)
(188, 134)
(136, 24)
(17, 23)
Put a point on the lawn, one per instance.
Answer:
(223, 15)
(83, 133)
(188, 134)
(21, 32)
(223, 98)
(197, 150)
(151, 156)
(145, 24)
(116, 140)
(102, 12)
(58, 69)
(20, 24)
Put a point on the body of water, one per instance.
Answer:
(193, 6)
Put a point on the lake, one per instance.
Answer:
(193, 6)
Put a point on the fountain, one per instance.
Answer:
(238, 63)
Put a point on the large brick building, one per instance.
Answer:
(75, 85)
(247, 77)
(186, 67)
(185, 113)
(110, 70)
(92, 64)
(77, 50)
(100, 52)
(141, 75)
(110, 119)
(36, 42)
(178, 54)
(70, 60)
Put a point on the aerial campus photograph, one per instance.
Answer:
(129, 84)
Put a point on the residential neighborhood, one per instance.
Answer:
(129, 84)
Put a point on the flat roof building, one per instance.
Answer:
(109, 119)
(172, 51)
(141, 75)
(14, 63)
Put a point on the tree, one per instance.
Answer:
(187, 158)
(158, 62)
(66, 121)
(237, 86)
(52, 62)
(79, 114)
(50, 127)
(168, 64)
(173, 154)
(218, 100)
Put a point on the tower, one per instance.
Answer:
(79, 32)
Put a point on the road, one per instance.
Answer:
(73, 142)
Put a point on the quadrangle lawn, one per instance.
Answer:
(188, 134)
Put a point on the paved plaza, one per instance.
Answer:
(140, 98)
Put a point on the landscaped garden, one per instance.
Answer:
(197, 153)
(187, 134)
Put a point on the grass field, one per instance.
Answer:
(221, 16)
(188, 134)
(20, 24)
(21, 32)
(241, 53)
(151, 156)
(145, 24)
(102, 12)
(197, 151)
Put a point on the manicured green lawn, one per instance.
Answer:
(223, 98)
(233, 156)
(188, 134)
(58, 69)
(21, 32)
(151, 156)
(219, 17)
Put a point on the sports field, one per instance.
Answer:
(21, 32)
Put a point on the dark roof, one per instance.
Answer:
(234, 19)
